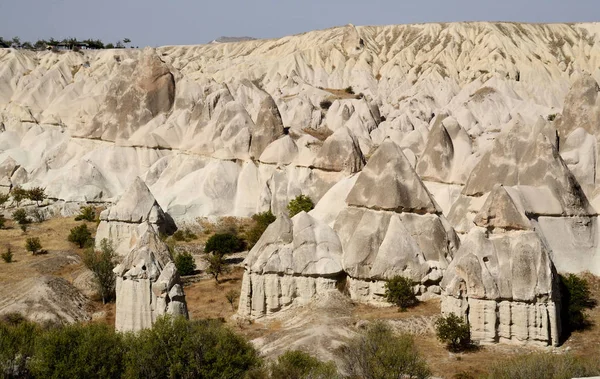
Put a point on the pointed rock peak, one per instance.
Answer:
(388, 182)
(135, 204)
(340, 152)
(352, 43)
(501, 211)
(268, 128)
(436, 162)
(581, 107)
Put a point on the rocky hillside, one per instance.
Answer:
(406, 137)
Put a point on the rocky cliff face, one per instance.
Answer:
(398, 133)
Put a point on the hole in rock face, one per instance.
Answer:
(144, 267)
(486, 259)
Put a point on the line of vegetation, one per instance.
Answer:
(66, 43)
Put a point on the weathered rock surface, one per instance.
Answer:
(148, 284)
(294, 261)
(120, 222)
(506, 286)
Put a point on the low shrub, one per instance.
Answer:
(325, 104)
(81, 236)
(4, 198)
(297, 364)
(400, 291)
(2, 221)
(33, 245)
(7, 256)
(380, 354)
(544, 366)
(86, 213)
(454, 332)
(576, 299)
(37, 215)
(18, 194)
(349, 90)
(300, 203)
(185, 263)
(20, 216)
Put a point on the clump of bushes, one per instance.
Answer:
(400, 291)
(18, 194)
(224, 243)
(297, 364)
(33, 245)
(261, 222)
(454, 332)
(544, 366)
(185, 263)
(325, 104)
(300, 203)
(173, 348)
(102, 263)
(81, 236)
(20, 216)
(576, 299)
(349, 90)
(379, 353)
(87, 213)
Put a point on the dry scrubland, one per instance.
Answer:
(207, 299)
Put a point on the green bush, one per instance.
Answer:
(20, 216)
(2, 221)
(36, 194)
(33, 245)
(177, 348)
(184, 235)
(87, 213)
(7, 256)
(297, 364)
(576, 298)
(79, 351)
(102, 263)
(349, 90)
(261, 222)
(18, 194)
(299, 204)
(185, 263)
(224, 243)
(400, 291)
(545, 366)
(3, 198)
(325, 104)
(17, 340)
(37, 215)
(80, 236)
(454, 332)
(551, 117)
(380, 354)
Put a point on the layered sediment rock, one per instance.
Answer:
(148, 284)
(294, 261)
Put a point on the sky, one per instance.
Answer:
(185, 22)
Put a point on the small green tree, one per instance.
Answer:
(20, 216)
(7, 256)
(4, 198)
(18, 194)
(299, 204)
(297, 364)
(185, 263)
(102, 263)
(80, 235)
(400, 291)
(454, 332)
(224, 243)
(86, 213)
(216, 265)
(378, 353)
(33, 245)
(36, 194)
(576, 299)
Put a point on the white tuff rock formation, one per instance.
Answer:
(147, 283)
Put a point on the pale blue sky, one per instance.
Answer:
(166, 22)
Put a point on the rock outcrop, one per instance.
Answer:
(392, 226)
(137, 206)
(505, 285)
(294, 261)
(148, 284)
